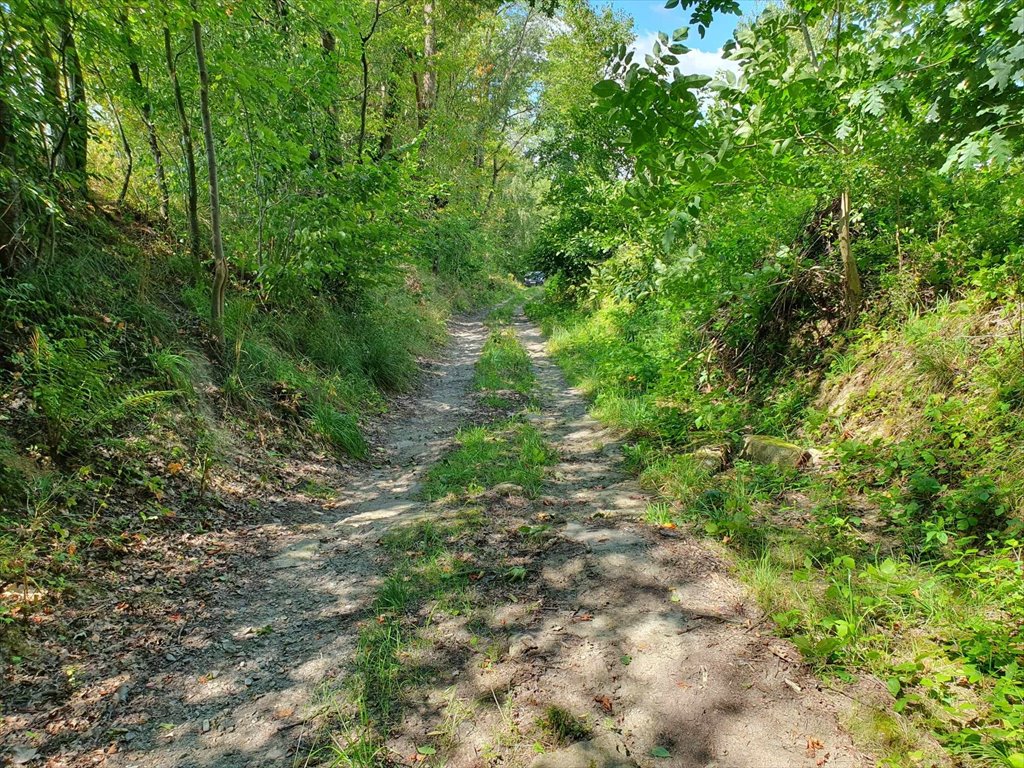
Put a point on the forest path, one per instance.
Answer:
(224, 660)
(704, 677)
(238, 689)
(640, 632)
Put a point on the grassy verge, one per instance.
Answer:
(506, 452)
(432, 569)
(900, 562)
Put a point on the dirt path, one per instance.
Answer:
(215, 656)
(239, 692)
(642, 633)
(702, 680)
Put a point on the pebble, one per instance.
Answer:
(206, 726)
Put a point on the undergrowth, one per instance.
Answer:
(117, 412)
(504, 367)
(508, 452)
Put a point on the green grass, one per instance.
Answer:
(507, 452)
(109, 393)
(425, 567)
(563, 727)
(428, 573)
(340, 430)
(504, 364)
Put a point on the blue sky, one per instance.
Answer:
(651, 16)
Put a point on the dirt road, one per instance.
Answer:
(644, 633)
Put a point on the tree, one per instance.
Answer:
(220, 264)
(192, 184)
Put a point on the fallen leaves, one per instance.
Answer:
(813, 746)
(605, 702)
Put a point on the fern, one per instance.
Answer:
(75, 390)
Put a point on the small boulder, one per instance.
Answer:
(713, 458)
(761, 449)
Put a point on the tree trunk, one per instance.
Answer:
(147, 120)
(192, 201)
(427, 92)
(851, 277)
(127, 150)
(363, 101)
(388, 115)
(495, 171)
(220, 264)
(50, 86)
(77, 109)
(8, 198)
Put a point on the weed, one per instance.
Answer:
(562, 726)
(340, 430)
(504, 364)
(74, 389)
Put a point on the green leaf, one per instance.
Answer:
(606, 88)
(660, 752)
(894, 686)
(694, 81)
(426, 749)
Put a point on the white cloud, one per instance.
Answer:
(693, 62)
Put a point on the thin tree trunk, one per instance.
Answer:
(192, 197)
(77, 109)
(808, 43)
(147, 120)
(124, 143)
(388, 115)
(220, 264)
(8, 198)
(50, 86)
(428, 90)
(851, 276)
(495, 171)
(364, 101)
